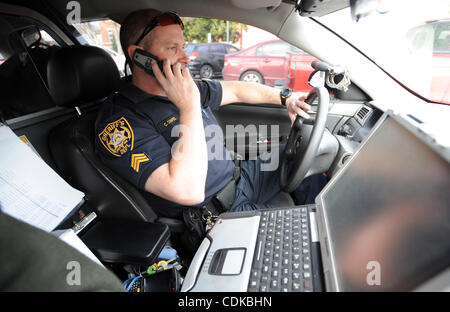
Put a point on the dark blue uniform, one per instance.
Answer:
(134, 138)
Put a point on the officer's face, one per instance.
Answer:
(167, 42)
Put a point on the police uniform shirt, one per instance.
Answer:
(134, 138)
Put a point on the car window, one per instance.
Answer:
(273, 49)
(295, 50)
(442, 38)
(106, 35)
(189, 49)
(23, 67)
(203, 49)
(216, 48)
(243, 45)
(231, 49)
(406, 39)
(47, 39)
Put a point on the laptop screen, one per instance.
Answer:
(385, 218)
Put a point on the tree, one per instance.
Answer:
(197, 29)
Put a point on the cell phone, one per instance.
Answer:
(143, 59)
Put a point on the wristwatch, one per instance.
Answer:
(284, 94)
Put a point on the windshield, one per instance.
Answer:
(409, 39)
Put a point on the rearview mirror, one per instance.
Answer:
(31, 36)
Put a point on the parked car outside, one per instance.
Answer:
(268, 62)
(440, 79)
(299, 71)
(206, 59)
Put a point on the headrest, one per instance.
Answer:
(81, 74)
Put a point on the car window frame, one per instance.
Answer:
(60, 37)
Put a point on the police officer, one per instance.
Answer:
(152, 132)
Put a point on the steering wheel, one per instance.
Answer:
(297, 158)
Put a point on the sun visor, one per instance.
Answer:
(255, 4)
(321, 7)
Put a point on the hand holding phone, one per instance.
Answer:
(178, 83)
(143, 59)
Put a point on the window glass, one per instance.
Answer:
(407, 39)
(217, 48)
(243, 45)
(273, 49)
(106, 35)
(48, 40)
(203, 49)
(23, 68)
(442, 38)
(189, 49)
(232, 50)
(295, 50)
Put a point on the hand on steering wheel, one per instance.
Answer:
(295, 165)
(296, 106)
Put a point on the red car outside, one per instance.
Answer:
(432, 39)
(273, 62)
(299, 71)
(440, 80)
(265, 62)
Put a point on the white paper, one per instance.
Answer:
(29, 189)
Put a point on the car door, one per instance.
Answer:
(273, 62)
(252, 129)
(217, 52)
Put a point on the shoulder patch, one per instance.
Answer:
(117, 137)
(137, 159)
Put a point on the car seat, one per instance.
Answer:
(79, 75)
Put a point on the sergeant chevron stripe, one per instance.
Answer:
(137, 159)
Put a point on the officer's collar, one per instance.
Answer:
(136, 95)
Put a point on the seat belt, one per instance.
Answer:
(225, 198)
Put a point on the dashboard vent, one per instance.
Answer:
(362, 114)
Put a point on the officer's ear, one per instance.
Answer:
(131, 50)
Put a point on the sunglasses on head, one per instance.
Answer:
(163, 19)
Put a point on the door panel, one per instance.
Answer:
(248, 127)
(251, 129)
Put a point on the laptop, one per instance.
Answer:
(382, 223)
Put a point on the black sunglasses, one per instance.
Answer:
(163, 19)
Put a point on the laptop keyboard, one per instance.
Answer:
(282, 255)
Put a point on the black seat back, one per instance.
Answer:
(78, 75)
